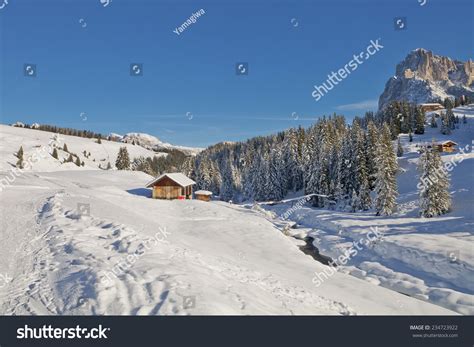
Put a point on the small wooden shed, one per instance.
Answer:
(446, 146)
(203, 195)
(172, 186)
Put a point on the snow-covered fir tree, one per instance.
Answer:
(227, 189)
(123, 159)
(371, 145)
(419, 121)
(435, 198)
(386, 182)
(276, 185)
(19, 155)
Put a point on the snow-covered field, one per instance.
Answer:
(90, 241)
(428, 258)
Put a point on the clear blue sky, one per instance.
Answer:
(86, 69)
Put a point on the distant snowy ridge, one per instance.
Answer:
(153, 143)
(425, 77)
(147, 141)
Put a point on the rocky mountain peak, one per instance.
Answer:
(425, 77)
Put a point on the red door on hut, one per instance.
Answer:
(172, 186)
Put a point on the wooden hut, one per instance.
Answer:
(172, 186)
(203, 195)
(431, 107)
(446, 146)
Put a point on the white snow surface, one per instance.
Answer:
(65, 230)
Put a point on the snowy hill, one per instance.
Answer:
(427, 258)
(153, 143)
(425, 77)
(36, 142)
(88, 241)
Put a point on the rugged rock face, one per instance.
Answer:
(426, 77)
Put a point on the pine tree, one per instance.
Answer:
(406, 119)
(419, 121)
(365, 201)
(70, 159)
(123, 160)
(257, 176)
(65, 149)
(55, 154)
(355, 201)
(360, 172)
(143, 164)
(227, 186)
(204, 174)
(247, 171)
(277, 184)
(451, 119)
(448, 103)
(78, 161)
(445, 124)
(294, 177)
(435, 198)
(399, 148)
(109, 166)
(19, 155)
(346, 173)
(371, 145)
(386, 182)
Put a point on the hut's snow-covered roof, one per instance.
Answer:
(177, 177)
(203, 192)
(448, 142)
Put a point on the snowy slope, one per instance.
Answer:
(169, 257)
(430, 259)
(36, 141)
